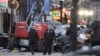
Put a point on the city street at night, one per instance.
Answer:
(49, 27)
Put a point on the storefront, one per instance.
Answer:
(56, 14)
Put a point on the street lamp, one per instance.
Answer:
(91, 13)
(85, 13)
(13, 5)
(64, 9)
(80, 12)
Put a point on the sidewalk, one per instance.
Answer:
(29, 54)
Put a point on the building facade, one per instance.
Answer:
(95, 6)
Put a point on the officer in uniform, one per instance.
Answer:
(33, 39)
(48, 40)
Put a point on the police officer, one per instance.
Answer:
(33, 39)
(48, 40)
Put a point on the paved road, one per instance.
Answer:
(39, 54)
(29, 54)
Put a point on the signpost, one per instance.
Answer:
(13, 4)
(61, 7)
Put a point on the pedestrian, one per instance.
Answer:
(13, 28)
(33, 40)
(48, 40)
(85, 37)
(96, 33)
(81, 30)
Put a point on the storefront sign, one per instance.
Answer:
(4, 3)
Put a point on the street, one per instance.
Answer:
(59, 27)
(40, 54)
(29, 54)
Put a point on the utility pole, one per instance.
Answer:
(61, 7)
(73, 26)
(13, 4)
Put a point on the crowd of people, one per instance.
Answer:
(90, 35)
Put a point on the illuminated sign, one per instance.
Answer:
(55, 13)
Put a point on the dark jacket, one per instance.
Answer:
(33, 35)
(96, 37)
(50, 34)
(96, 34)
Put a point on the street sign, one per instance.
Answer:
(13, 4)
(55, 13)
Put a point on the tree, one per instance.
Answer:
(73, 32)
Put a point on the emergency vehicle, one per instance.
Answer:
(20, 38)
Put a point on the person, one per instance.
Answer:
(81, 30)
(33, 39)
(95, 36)
(85, 37)
(13, 28)
(48, 40)
(95, 25)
